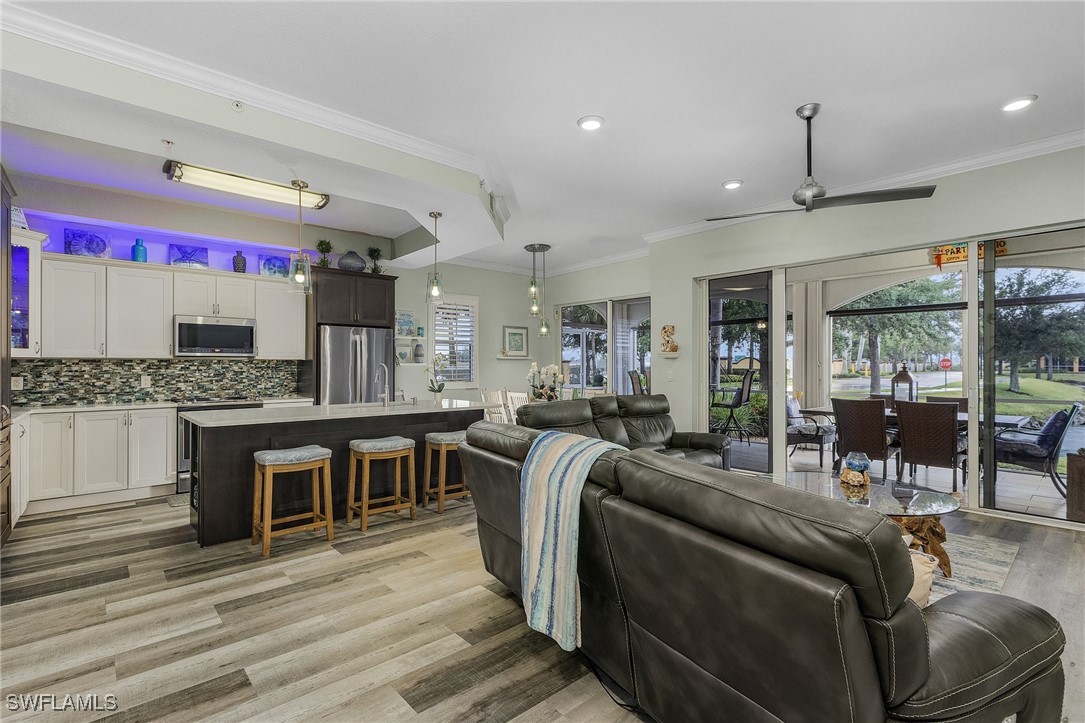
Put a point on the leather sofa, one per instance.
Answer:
(635, 421)
(709, 595)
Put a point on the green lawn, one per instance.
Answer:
(1030, 401)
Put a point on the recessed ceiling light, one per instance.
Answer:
(732, 185)
(1023, 101)
(591, 122)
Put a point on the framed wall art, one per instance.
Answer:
(514, 341)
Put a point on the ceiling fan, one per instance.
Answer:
(811, 194)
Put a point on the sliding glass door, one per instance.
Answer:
(584, 348)
(740, 366)
(631, 327)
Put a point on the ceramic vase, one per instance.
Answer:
(437, 397)
(240, 263)
(351, 261)
(139, 251)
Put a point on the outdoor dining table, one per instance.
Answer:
(1005, 421)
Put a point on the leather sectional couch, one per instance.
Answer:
(708, 595)
(635, 421)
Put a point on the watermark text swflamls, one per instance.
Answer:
(37, 702)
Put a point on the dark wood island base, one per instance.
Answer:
(223, 443)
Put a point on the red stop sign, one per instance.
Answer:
(945, 364)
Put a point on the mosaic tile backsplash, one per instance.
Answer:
(57, 382)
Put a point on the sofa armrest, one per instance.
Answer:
(701, 440)
(718, 443)
(983, 647)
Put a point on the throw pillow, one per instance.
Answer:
(923, 567)
(794, 416)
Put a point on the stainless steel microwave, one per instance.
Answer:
(214, 336)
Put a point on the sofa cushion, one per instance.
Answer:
(853, 544)
(703, 457)
(604, 410)
(1052, 429)
(971, 663)
(573, 416)
(646, 417)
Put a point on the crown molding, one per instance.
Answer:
(25, 22)
(602, 261)
(489, 266)
(1053, 144)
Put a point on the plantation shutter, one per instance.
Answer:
(455, 334)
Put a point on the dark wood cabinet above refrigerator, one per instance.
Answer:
(354, 299)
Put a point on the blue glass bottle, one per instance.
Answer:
(139, 251)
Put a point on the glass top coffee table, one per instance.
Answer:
(917, 511)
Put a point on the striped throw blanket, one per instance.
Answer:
(553, 477)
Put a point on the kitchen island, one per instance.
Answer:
(223, 442)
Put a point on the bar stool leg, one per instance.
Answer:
(399, 484)
(350, 485)
(314, 478)
(269, 475)
(365, 493)
(328, 498)
(411, 482)
(426, 479)
(441, 481)
(257, 489)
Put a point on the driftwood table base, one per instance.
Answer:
(928, 534)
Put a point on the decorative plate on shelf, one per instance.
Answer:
(85, 243)
(193, 257)
(274, 265)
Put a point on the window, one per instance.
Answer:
(455, 334)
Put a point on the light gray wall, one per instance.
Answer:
(1012, 198)
(502, 301)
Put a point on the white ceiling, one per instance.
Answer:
(693, 94)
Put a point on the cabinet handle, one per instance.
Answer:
(69, 421)
(171, 349)
(101, 348)
(37, 347)
(22, 431)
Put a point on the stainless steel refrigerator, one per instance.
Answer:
(349, 358)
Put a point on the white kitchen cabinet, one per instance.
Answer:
(139, 313)
(20, 469)
(206, 295)
(152, 447)
(73, 300)
(26, 292)
(101, 452)
(50, 468)
(280, 321)
(77, 453)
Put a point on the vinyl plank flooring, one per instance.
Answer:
(399, 623)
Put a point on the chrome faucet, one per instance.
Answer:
(386, 397)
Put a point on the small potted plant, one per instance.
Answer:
(374, 253)
(436, 380)
(324, 246)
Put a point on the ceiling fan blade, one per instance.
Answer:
(748, 215)
(882, 196)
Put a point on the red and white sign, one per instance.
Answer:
(946, 364)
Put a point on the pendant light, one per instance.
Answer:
(435, 292)
(538, 287)
(300, 276)
(533, 294)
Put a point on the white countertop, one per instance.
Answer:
(279, 415)
(18, 412)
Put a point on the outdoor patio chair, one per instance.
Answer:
(961, 402)
(806, 429)
(887, 398)
(732, 425)
(634, 377)
(1038, 450)
(928, 436)
(860, 427)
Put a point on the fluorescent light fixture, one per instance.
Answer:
(732, 185)
(1019, 103)
(591, 122)
(231, 183)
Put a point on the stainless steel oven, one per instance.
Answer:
(184, 432)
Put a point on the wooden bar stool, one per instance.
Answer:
(443, 442)
(367, 450)
(272, 461)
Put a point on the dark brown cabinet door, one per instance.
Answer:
(375, 301)
(334, 300)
